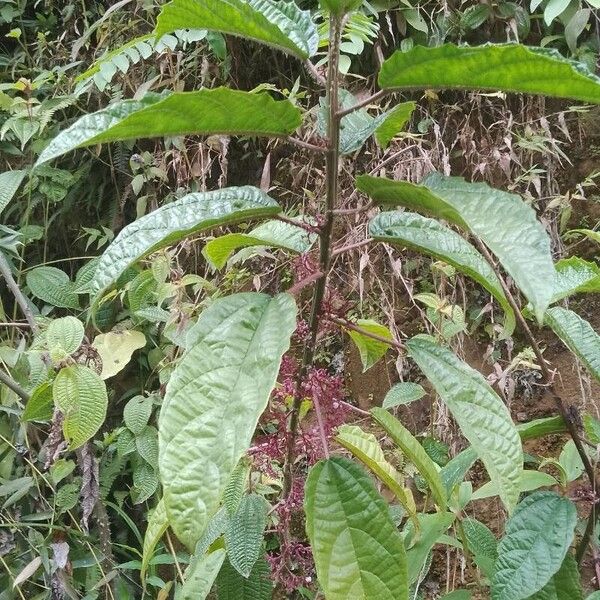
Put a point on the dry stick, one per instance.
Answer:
(11, 384)
(564, 411)
(19, 297)
(342, 249)
(332, 166)
(307, 145)
(306, 226)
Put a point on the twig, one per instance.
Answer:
(306, 226)
(354, 211)
(19, 297)
(370, 100)
(11, 384)
(300, 285)
(350, 325)
(342, 249)
(315, 73)
(306, 145)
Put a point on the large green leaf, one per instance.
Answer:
(203, 112)
(529, 481)
(214, 399)
(64, 336)
(404, 392)
(277, 234)
(358, 552)
(53, 286)
(394, 122)
(414, 452)
(481, 543)
(81, 396)
(575, 275)
(505, 67)
(9, 184)
(40, 405)
(172, 222)
(578, 335)
(565, 585)
(540, 427)
(279, 24)
(481, 415)
(535, 543)
(370, 349)
(232, 586)
(200, 576)
(431, 237)
(506, 224)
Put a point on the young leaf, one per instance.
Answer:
(358, 552)
(136, 414)
(39, 407)
(506, 224)
(232, 586)
(244, 533)
(535, 543)
(403, 393)
(504, 67)
(394, 122)
(431, 237)
(575, 275)
(51, 285)
(413, 451)
(365, 447)
(578, 335)
(565, 585)
(482, 544)
(172, 222)
(481, 415)
(81, 396)
(454, 472)
(276, 234)
(528, 482)
(9, 184)
(370, 350)
(541, 427)
(570, 461)
(157, 525)
(279, 24)
(200, 576)
(64, 335)
(116, 349)
(203, 112)
(214, 399)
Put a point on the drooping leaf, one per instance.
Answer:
(39, 407)
(137, 413)
(370, 350)
(504, 67)
(201, 575)
(157, 525)
(504, 222)
(481, 543)
(172, 222)
(358, 552)
(146, 444)
(52, 286)
(214, 530)
(9, 184)
(81, 396)
(280, 24)
(64, 336)
(413, 451)
(145, 482)
(589, 233)
(116, 349)
(454, 472)
(203, 112)
(564, 585)
(232, 586)
(404, 392)
(431, 527)
(214, 399)
(541, 427)
(536, 540)
(528, 482)
(575, 275)
(244, 533)
(276, 234)
(431, 237)
(578, 335)
(571, 462)
(366, 448)
(481, 415)
(394, 122)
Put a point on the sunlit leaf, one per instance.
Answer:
(116, 349)
(403, 393)
(370, 349)
(9, 184)
(394, 122)
(575, 275)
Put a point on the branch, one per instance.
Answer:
(314, 73)
(342, 249)
(306, 145)
(300, 285)
(11, 384)
(370, 100)
(306, 226)
(17, 293)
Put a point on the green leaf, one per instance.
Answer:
(370, 350)
(431, 528)
(482, 545)
(414, 452)
(432, 238)
(457, 595)
(52, 286)
(232, 586)
(403, 393)
(277, 234)
(592, 428)
(570, 461)
(200, 576)
(157, 525)
(172, 222)
(40, 405)
(244, 533)
(589, 233)
(528, 482)
(481, 415)
(565, 585)
(578, 335)
(9, 184)
(279, 24)
(136, 414)
(536, 540)
(339, 7)
(454, 472)
(541, 427)
(214, 399)
(204, 112)
(116, 349)
(146, 444)
(366, 448)
(236, 487)
(145, 482)
(506, 224)
(394, 122)
(81, 396)
(358, 552)
(575, 275)
(504, 67)
(64, 335)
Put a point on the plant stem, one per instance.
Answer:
(307, 145)
(567, 412)
(297, 223)
(300, 285)
(19, 297)
(332, 167)
(342, 249)
(11, 384)
(370, 100)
